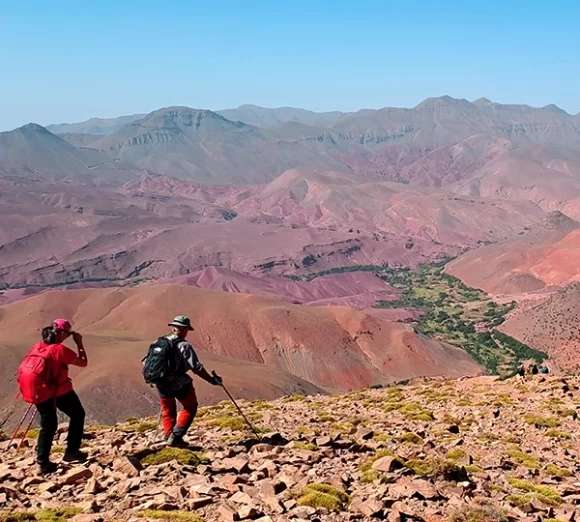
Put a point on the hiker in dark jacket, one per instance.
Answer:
(58, 394)
(181, 386)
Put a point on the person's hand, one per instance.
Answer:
(77, 338)
(216, 379)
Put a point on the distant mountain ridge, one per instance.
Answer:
(439, 142)
(259, 116)
(94, 125)
(270, 117)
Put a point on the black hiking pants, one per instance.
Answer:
(71, 406)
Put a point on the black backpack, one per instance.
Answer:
(162, 362)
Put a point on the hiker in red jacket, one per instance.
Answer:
(54, 390)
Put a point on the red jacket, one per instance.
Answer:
(58, 358)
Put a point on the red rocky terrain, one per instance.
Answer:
(440, 451)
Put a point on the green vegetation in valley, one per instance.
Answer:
(377, 269)
(459, 315)
(451, 312)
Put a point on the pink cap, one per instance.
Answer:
(62, 324)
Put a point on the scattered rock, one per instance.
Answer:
(77, 475)
(386, 464)
(368, 508)
(128, 466)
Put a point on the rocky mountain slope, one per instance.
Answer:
(474, 450)
(552, 326)
(543, 257)
(32, 151)
(204, 146)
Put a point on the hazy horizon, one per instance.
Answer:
(111, 117)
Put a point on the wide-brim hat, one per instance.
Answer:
(180, 321)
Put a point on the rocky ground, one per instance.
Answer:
(471, 450)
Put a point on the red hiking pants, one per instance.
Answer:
(171, 423)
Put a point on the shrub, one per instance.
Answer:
(456, 453)
(414, 411)
(556, 434)
(555, 471)
(544, 494)
(295, 398)
(32, 434)
(519, 500)
(434, 467)
(411, 438)
(478, 513)
(182, 455)
(370, 476)
(232, 423)
(541, 422)
(144, 426)
(524, 459)
(171, 516)
(325, 496)
(61, 514)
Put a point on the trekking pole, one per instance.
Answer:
(27, 428)
(239, 409)
(19, 426)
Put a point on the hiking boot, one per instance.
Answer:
(175, 441)
(75, 456)
(47, 468)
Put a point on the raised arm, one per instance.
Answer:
(82, 359)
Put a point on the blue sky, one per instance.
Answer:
(63, 61)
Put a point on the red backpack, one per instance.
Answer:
(36, 382)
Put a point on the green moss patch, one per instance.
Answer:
(42, 515)
(541, 422)
(544, 494)
(524, 459)
(557, 434)
(325, 496)
(171, 516)
(411, 438)
(229, 423)
(181, 455)
(555, 471)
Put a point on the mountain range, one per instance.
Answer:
(440, 141)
